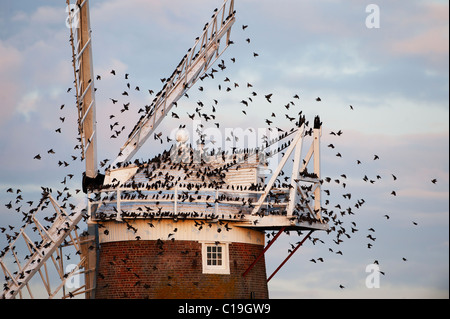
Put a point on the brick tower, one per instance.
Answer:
(182, 268)
(178, 230)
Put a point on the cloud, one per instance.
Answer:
(422, 30)
(11, 61)
(426, 18)
(431, 42)
(29, 103)
(133, 28)
(331, 62)
(19, 16)
(48, 16)
(159, 12)
(34, 66)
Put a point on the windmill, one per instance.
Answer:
(187, 223)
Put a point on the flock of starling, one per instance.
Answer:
(152, 177)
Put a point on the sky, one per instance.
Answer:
(389, 63)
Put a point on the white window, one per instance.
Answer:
(215, 258)
(214, 255)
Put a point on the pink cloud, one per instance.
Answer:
(429, 33)
(10, 62)
(431, 41)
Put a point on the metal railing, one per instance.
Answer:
(182, 201)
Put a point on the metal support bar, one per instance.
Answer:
(264, 251)
(294, 178)
(90, 141)
(175, 202)
(317, 190)
(82, 50)
(119, 210)
(290, 255)
(277, 172)
(306, 203)
(85, 91)
(87, 112)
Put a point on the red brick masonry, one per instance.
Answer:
(173, 270)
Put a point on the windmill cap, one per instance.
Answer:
(182, 135)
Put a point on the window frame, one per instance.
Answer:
(224, 268)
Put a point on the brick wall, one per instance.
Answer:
(173, 269)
